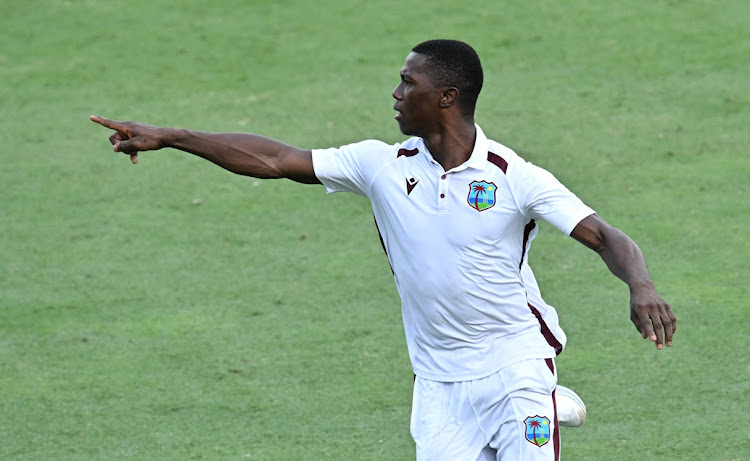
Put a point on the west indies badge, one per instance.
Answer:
(537, 430)
(482, 195)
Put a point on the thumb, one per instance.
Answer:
(125, 146)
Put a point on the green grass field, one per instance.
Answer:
(173, 311)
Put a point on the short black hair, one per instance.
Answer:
(454, 63)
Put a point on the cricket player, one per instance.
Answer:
(456, 213)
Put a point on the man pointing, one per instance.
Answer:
(457, 213)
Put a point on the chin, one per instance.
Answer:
(405, 130)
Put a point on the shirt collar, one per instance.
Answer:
(478, 158)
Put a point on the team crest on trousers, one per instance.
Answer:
(537, 430)
(482, 195)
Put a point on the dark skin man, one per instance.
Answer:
(431, 112)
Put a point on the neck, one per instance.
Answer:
(452, 145)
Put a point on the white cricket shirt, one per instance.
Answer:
(458, 242)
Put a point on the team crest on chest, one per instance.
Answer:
(537, 430)
(482, 195)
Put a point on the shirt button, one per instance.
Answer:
(442, 177)
(442, 195)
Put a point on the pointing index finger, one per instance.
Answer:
(113, 124)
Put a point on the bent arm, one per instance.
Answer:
(241, 153)
(649, 312)
(619, 252)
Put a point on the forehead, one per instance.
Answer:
(414, 64)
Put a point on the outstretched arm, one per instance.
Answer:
(649, 312)
(242, 153)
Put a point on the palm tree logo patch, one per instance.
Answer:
(537, 430)
(482, 195)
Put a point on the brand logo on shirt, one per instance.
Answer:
(411, 183)
(537, 430)
(482, 195)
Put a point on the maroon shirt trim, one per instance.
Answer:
(556, 433)
(546, 332)
(526, 234)
(407, 152)
(497, 161)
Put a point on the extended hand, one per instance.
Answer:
(131, 137)
(653, 317)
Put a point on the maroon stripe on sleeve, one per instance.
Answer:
(497, 161)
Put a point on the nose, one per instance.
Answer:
(397, 93)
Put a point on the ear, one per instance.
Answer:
(449, 96)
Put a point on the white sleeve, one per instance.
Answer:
(540, 195)
(349, 168)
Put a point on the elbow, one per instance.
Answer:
(596, 234)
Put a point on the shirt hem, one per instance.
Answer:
(454, 378)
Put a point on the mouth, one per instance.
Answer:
(399, 115)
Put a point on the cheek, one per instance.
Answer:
(420, 103)
(409, 98)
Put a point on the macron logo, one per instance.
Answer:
(411, 183)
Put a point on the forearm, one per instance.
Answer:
(625, 259)
(619, 252)
(651, 315)
(241, 153)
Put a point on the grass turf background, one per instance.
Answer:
(263, 323)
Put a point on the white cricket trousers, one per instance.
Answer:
(507, 416)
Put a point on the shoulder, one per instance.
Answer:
(370, 145)
(504, 157)
(517, 166)
(372, 150)
(406, 148)
(363, 159)
(367, 148)
(362, 151)
(523, 178)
